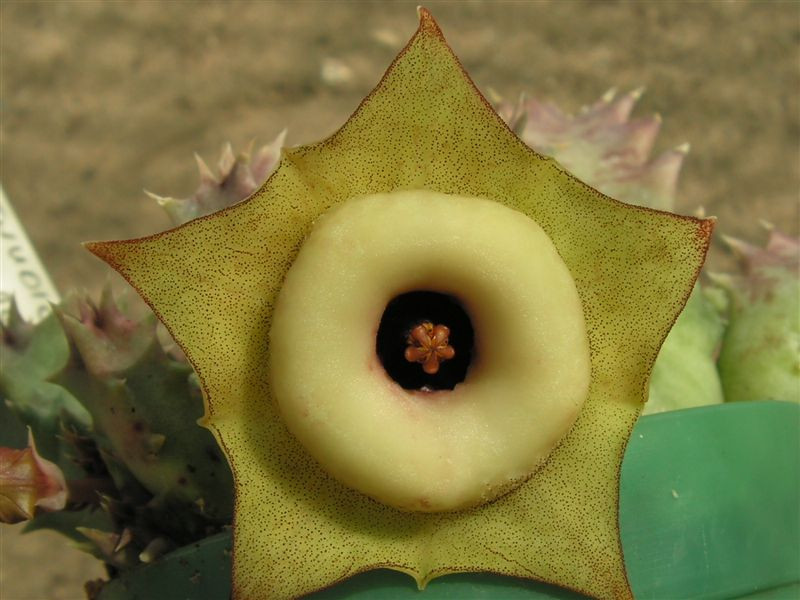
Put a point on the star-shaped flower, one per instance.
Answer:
(428, 344)
(214, 283)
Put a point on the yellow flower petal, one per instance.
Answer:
(213, 282)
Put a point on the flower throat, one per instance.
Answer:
(425, 341)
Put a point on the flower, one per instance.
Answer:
(214, 282)
(428, 344)
(28, 482)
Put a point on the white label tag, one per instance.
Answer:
(21, 272)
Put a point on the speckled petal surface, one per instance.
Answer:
(214, 281)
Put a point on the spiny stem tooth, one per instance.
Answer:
(206, 174)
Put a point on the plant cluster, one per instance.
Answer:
(100, 406)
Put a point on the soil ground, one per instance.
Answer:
(103, 99)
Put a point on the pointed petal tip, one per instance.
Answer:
(638, 92)
(99, 249)
(426, 21)
(102, 250)
(705, 229)
(683, 148)
(92, 247)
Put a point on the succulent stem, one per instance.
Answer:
(88, 490)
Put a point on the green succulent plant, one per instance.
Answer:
(238, 177)
(760, 356)
(116, 413)
(602, 146)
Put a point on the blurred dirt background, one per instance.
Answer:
(100, 100)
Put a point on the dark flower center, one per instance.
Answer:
(410, 311)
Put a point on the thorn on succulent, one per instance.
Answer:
(608, 95)
(17, 332)
(683, 148)
(124, 539)
(206, 175)
(105, 502)
(766, 225)
(758, 359)
(602, 146)
(226, 161)
(247, 153)
(156, 548)
(105, 543)
(721, 279)
(154, 442)
(156, 197)
(106, 341)
(239, 177)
